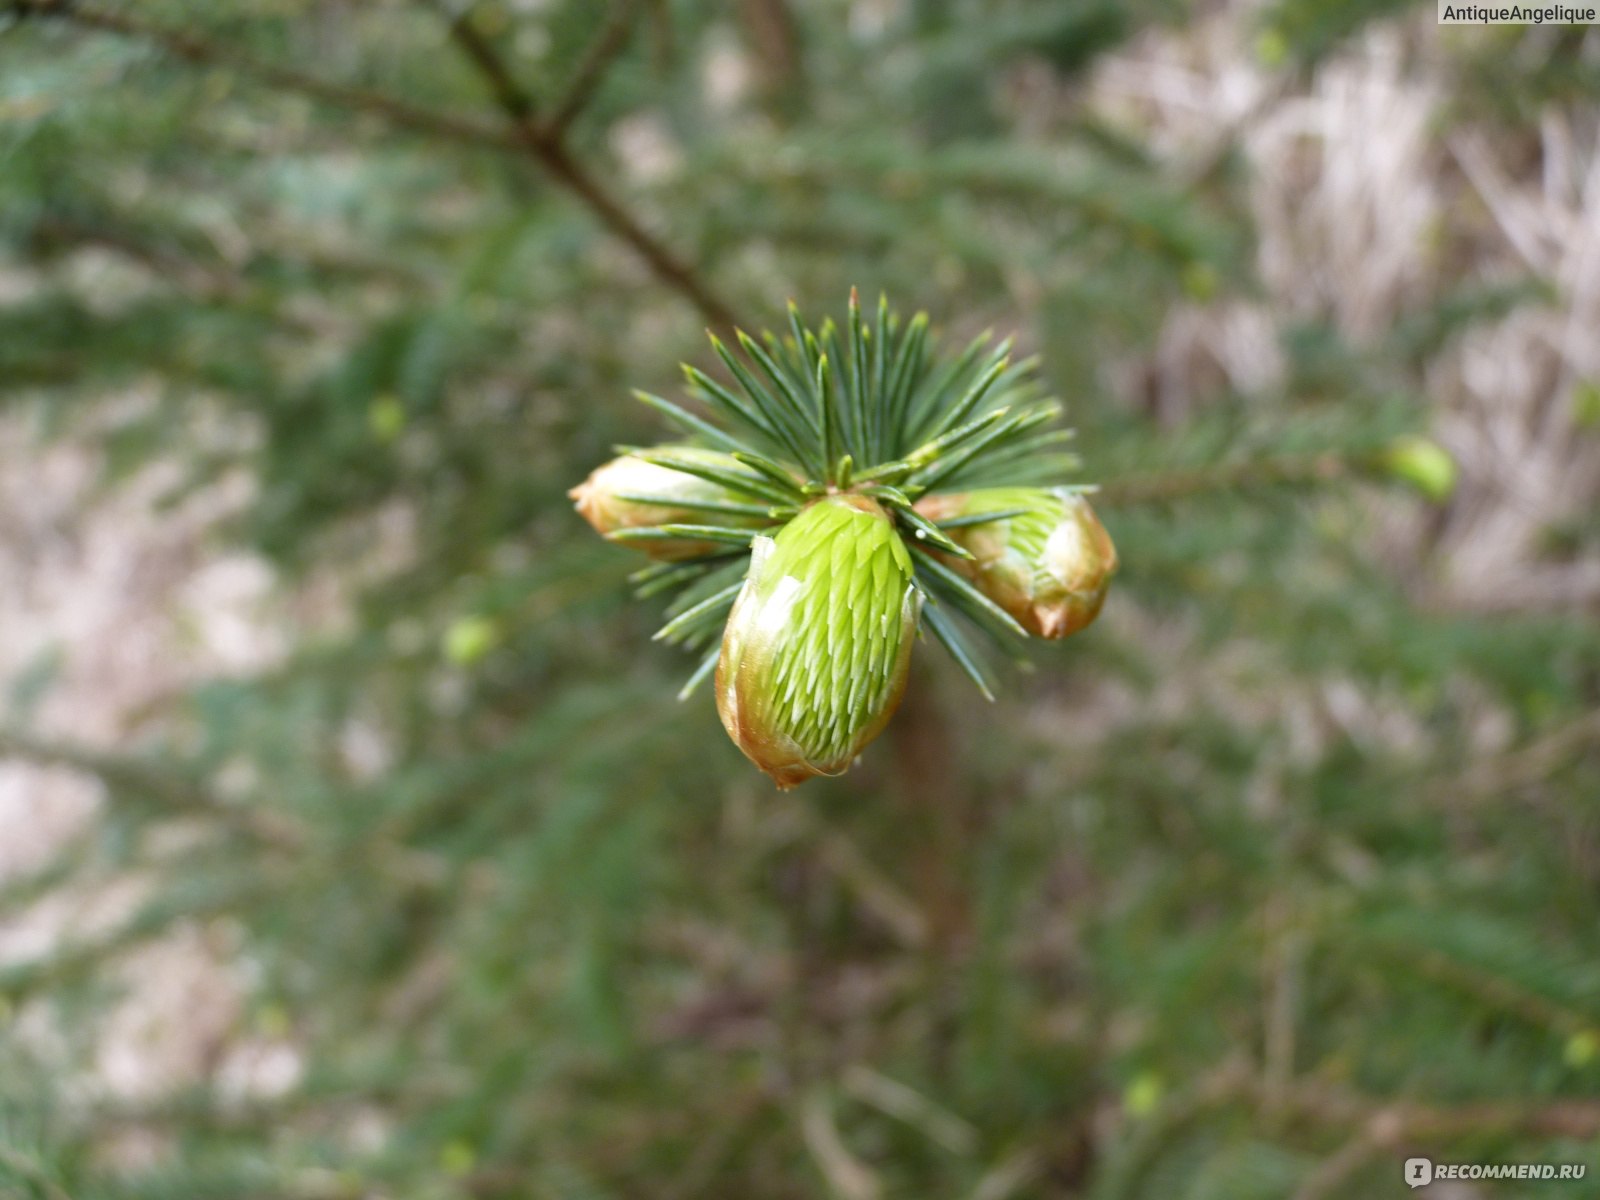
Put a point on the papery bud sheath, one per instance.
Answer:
(1049, 566)
(600, 499)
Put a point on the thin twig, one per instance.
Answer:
(846, 1174)
(209, 284)
(199, 280)
(1372, 1125)
(1284, 955)
(524, 137)
(1012, 1173)
(512, 99)
(68, 961)
(1176, 485)
(1499, 775)
(25, 1168)
(1391, 1123)
(586, 79)
(552, 154)
(180, 793)
(905, 1103)
(195, 49)
(174, 790)
(1202, 169)
(877, 894)
(1341, 1165)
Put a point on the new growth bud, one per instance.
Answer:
(1048, 566)
(1425, 465)
(604, 499)
(816, 649)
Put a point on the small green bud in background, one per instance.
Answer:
(1143, 1094)
(1586, 403)
(1581, 1049)
(1048, 565)
(1424, 464)
(1272, 48)
(1200, 281)
(273, 1021)
(817, 647)
(604, 499)
(469, 639)
(386, 417)
(457, 1157)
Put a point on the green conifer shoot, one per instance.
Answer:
(807, 543)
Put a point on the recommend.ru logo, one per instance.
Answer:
(1422, 1171)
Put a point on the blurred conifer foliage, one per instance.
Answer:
(1229, 897)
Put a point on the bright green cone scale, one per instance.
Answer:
(1048, 563)
(815, 653)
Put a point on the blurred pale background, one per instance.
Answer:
(351, 842)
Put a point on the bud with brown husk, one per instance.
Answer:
(631, 493)
(1044, 557)
(817, 647)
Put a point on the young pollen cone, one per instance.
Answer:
(1048, 566)
(817, 647)
(603, 499)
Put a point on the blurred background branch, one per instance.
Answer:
(544, 145)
